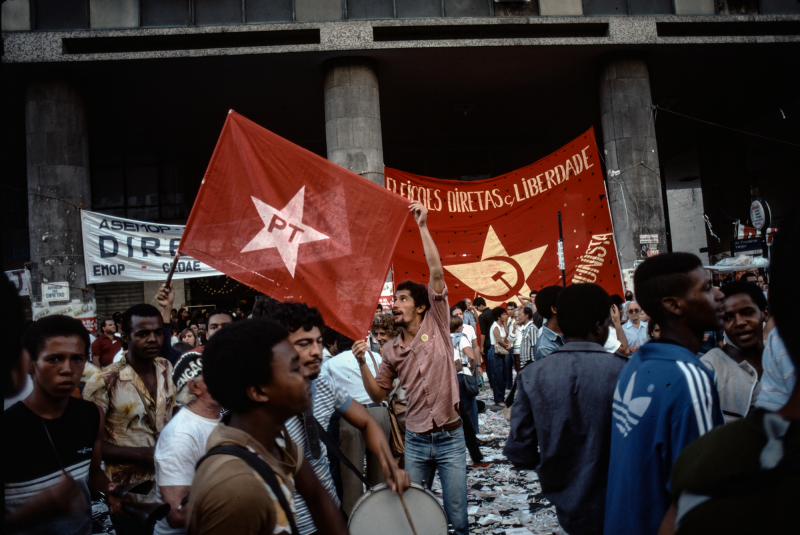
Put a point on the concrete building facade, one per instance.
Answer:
(136, 92)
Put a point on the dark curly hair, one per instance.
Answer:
(142, 310)
(48, 327)
(749, 288)
(238, 357)
(497, 312)
(546, 300)
(419, 293)
(581, 307)
(291, 315)
(384, 321)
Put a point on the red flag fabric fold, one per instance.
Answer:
(295, 226)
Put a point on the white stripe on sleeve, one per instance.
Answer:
(695, 401)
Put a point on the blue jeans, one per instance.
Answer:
(446, 452)
(508, 366)
(469, 403)
(498, 375)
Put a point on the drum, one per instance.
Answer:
(380, 511)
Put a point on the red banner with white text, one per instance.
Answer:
(498, 238)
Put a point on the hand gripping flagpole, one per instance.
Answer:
(172, 270)
(561, 264)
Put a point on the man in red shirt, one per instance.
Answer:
(421, 356)
(107, 345)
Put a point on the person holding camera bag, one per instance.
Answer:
(467, 389)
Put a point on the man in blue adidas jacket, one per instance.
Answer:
(665, 397)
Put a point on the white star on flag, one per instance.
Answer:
(283, 229)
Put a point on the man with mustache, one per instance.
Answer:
(136, 395)
(421, 356)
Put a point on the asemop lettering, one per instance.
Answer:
(117, 249)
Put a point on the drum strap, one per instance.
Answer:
(263, 469)
(337, 452)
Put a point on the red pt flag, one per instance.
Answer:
(295, 226)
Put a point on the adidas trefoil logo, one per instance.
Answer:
(626, 408)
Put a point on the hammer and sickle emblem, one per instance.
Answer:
(518, 282)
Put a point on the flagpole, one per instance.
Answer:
(561, 252)
(172, 270)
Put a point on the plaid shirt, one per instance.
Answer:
(529, 336)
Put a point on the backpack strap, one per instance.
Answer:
(262, 468)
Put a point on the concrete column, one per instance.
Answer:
(353, 117)
(629, 137)
(58, 168)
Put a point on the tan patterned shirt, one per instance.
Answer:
(133, 417)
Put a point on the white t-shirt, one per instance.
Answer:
(612, 342)
(346, 374)
(469, 330)
(179, 447)
(463, 342)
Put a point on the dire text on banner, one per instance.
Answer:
(117, 250)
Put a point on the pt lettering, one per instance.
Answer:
(280, 224)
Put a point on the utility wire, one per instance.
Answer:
(665, 110)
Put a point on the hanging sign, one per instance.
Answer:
(117, 250)
(759, 214)
(498, 238)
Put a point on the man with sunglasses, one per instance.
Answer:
(635, 330)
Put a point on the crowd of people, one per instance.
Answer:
(671, 410)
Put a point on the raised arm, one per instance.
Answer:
(617, 326)
(375, 391)
(431, 253)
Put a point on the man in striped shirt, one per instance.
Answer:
(305, 334)
(665, 397)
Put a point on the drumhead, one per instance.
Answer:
(380, 511)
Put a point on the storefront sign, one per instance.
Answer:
(498, 238)
(747, 246)
(117, 249)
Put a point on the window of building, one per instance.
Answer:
(780, 7)
(318, 10)
(61, 14)
(418, 9)
(146, 186)
(605, 7)
(560, 7)
(212, 12)
(694, 7)
(165, 13)
(466, 8)
(651, 7)
(268, 10)
(370, 9)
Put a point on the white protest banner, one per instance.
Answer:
(117, 249)
(84, 311)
